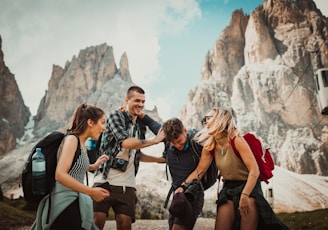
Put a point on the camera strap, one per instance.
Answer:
(168, 196)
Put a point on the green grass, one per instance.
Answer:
(12, 217)
(317, 220)
(16, 213)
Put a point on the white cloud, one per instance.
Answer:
(38, 34)
(165, 103)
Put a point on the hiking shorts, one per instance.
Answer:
(122, 200)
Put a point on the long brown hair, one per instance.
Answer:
(83, 112)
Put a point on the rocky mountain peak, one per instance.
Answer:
(261, 68)
(14, 115)
(124, 67)
(91, 77)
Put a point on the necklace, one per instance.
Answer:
(223, 151)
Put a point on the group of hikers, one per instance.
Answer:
(240, 203)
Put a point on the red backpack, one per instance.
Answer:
(263, 156)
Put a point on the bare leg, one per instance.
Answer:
(99, 218)
(123, 222)
(178, 227)
(250, 221)
(225, 216)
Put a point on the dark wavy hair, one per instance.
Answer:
(172, 129)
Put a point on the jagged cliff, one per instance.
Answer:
(14, 115)
(261, 68)
(92, 77)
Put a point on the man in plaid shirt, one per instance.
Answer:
(121, 141)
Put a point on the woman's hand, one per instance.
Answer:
(244, 206)
(101, 160)
(99, 194)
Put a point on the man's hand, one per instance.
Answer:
(161, 160)
(121, 108)
(179, 189)
(160, 136)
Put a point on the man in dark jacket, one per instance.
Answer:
(181, 161)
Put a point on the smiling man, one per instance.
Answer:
(122, 140)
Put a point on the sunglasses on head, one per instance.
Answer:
(206, 118)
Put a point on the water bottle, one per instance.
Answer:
(90, 144)
(38, 173)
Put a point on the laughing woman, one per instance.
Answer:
(240, 203)
(71, 205)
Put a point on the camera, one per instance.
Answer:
(118, 163)
(192, 190)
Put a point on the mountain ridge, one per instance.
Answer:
(240, 72)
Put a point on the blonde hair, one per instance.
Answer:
(221, 122)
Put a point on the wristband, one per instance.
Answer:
(183, 185)
(245, 194)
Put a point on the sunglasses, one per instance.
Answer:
(206, 118)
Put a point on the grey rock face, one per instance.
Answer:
(92, 77)
(261, 68)
(14, 115)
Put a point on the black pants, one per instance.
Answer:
(69, 219)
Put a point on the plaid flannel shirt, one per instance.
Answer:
(117, 130)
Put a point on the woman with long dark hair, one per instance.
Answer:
(71, 205)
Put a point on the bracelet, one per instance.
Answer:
(245, 194)
(183, 185)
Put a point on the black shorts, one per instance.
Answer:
(122, 199)
(69, 219)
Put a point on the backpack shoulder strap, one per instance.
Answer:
(232, 142)
(168, 196)
(195, 146)
(195, 149)
(167, 148)
(212, 152)
(77, 151)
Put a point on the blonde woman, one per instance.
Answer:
(240, 203)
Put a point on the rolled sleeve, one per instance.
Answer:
(153, 125)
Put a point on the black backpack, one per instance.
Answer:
(49, 146)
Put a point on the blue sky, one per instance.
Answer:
(166, 41)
